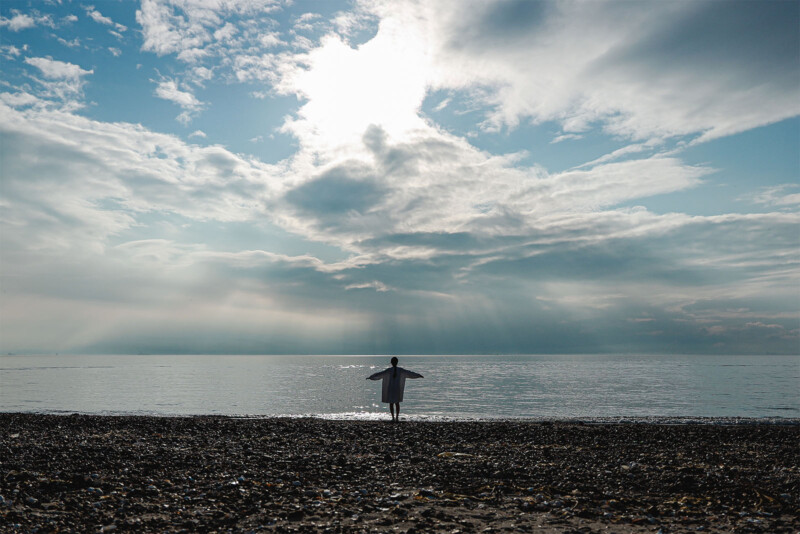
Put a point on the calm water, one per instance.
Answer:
(575, 386)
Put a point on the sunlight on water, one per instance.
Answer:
(541, 387)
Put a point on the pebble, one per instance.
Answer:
(478, 476)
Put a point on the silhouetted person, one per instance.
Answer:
(394, 381)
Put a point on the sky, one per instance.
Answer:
(414, 177)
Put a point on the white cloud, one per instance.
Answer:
(226, 32)
(70, 182)
(55, 69)
(169, 90)
(619, 153)
(198, 133)
(375, 285)
(777, 196)
(270, 40)
(307, 22)
(443, 104)
(10, 51)
(19, 99)
(63, 81)
(174, 26)
(640, 71)
(361, 132)
(165, 32)
(23, 21)
(201, 74)
(74, 43)
(19, 21)
(116, 52)
(192, 55)
(565, 137)
(98, 17)
(75, 189)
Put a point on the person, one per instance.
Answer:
(394, 381)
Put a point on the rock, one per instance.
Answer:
(296, 515)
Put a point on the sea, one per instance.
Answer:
(667, 388)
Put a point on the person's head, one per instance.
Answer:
(394, 361)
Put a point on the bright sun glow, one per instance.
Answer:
(381, 83)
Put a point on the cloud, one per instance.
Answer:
(236, 41)
(10, 51)
(98, 17)
(18, 22)
(111, 174)
(55, 69)
(19, 99)
(22, 21)
(637, 71)
(74, 43)
(776, 196)
(437, 183)
(565, 137)
(172, 26)
(337, 193)
(168, 90)
(384, 231)
(448, 249)
(63, 81)
(307, 22)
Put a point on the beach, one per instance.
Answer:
(84, 473)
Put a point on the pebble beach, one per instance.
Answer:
(81, 473)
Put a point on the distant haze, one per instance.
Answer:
(400, 177)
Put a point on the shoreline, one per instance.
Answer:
(221, 473)
(378, 417)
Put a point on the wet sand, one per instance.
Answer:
(157, 474)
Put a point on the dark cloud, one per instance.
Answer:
(337, 192)
(757, 42)
(609, 261)
(500, 23)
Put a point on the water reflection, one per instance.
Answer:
(466, 386)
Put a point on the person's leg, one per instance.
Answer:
(391, 409)
(398, 411)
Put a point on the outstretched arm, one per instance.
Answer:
(412, 374)
(376, 376)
